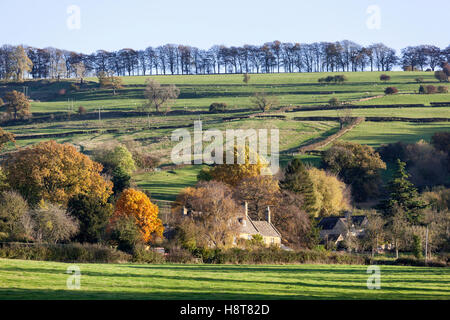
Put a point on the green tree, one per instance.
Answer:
(403, 195)
(297, 179)
(357, 165)
(93, 216)
(120, 180)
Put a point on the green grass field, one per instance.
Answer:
(197, 92)
(20, 279)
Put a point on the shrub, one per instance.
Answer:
(125, 233)
(82, 110)
(333, 102)
(419, 79)
(430, 89)
(442, 89)
(390, 90)
(385, 77)
(217, 107)
(441, 76)
(75, 252)
(143, 254)
(50, 223)
(417, 247)
(421, 90)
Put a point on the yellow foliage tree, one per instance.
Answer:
(330, 193)
(136, 204)
(232, 174)
(55, 172)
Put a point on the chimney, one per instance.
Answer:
(268, 214)
(184, 211)
(246, 209)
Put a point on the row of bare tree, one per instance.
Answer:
(181, 59)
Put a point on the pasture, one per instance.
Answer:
(116, 118)
(21, 279)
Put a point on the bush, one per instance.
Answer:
(143, 254)
(417, 247)
(82, 110)
(84, 253)
(442, 89)
(217, 107)
(333, 102)
(421, 90)
(441, 76)
(125, 233)
(385, 77)
(430, 89)
(390, 90)
(419, 79)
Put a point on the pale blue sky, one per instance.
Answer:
(136, 24)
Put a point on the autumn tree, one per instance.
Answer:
(212, 214)
(109, 81)
(292, 221)
(246, 164)
(246, 78)
(297, 180)
(374, 231)
(80, 70)
(136, 204)
(259, 192)
(20, 62)
(13, 210)
(264, 102)
(6, 137)
(330, 192)
(159, 96)
(51, 223)
(55, 172)
(17, 105)
(357, 165)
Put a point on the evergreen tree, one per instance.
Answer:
(403, 195)
(121, 180)
(297, 179)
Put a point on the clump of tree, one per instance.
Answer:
(385, 78)
(430, 89)
(442, 89)
(336, 79)
(391, 90)
(357, 165)
(427, 164)
(159, 96)
(217, 107)
(441, 76)
(265, 102)
(17, 105)
(109, 81)
(54, 172)
(333, 102)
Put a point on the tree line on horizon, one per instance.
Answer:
(19, 62)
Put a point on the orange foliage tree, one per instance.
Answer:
(136, 204)
(55, 172)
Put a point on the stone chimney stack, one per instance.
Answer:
(268, 214)
(246, 209)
